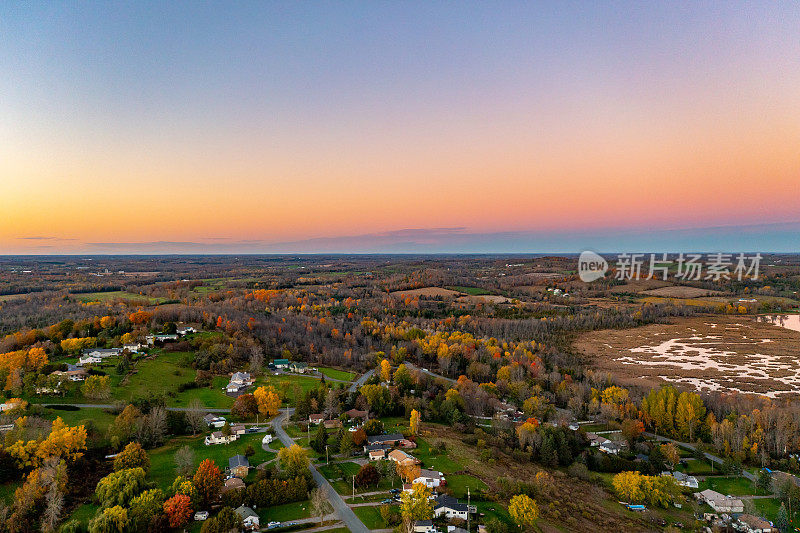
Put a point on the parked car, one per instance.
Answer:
(388, 500)
(273, 525)
(201, 515)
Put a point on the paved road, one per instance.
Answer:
(340, 508)
(111, 406)
(412, 366)
(360, 381)
(712, 458)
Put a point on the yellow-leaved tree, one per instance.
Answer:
(414, 422)
(523, 510)
(386, 370)
(268, 400)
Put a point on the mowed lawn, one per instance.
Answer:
(371, 516)
(163, 374)
(341, 375)
(89, 297)
(286, 384)
(100, 418)
(285, 512)
(432, 461)
(735, 486)
(162, 459)
(459, 483)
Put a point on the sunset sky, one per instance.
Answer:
(181, 127)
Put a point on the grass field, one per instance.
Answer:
(440, 462)
(371, 516)
(84, 513)
(735, 486)
(100, 418)
(162, 459)
(472, 291)
(337, 374)
(285, 512)
(458, 484)
(285, 384)
(103, 297)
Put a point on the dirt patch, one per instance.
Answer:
(679, 291)
(428, 292)
(705, 353)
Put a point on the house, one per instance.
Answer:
(393, 439)
(424, 526)
(267, 439)
(611, 447)
(332, 424)
(185, 330)
(316, 418)
(375, 447)
(596, 440)
(298, 367)
(73, 373)
(353, 414)
(408, 487)
(242, 378)
(238, 429)
(402, 458)
(160, 337)
(719, 502)
(450, 508)
(429, 478)
(132, 348)
(376, 455)
(682, 479)
(219, 438)
(214, 421)
(281, 363)
(9, 405)
(233, 483)
(454, 529)
(239, 465)
(249, 517)
(88, 360)
(102, 353)
(201, 515)
(753, 524)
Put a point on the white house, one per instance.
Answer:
(719, 502)
(185, 330)
(201, 515)
(102, 353)
(132, 348)
(218, 438)
(611, 447)
(9, 405)
(267, 439)
(682, 479)
(429, 478)
(88, 360)
(450, 507)
(249, 517)
(214, 421)
(424, 526)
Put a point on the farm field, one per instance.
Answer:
(720, 353)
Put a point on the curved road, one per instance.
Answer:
(341, 509)
(712, 458)
(360, 381)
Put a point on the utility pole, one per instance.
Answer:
(468, 513)
(327, 460)
(354, 487)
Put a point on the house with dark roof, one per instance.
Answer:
(249, 518)
(239, 465)
(424, 526)
(393, 439)
(450, 507)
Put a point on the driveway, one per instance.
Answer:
(340, 508)
(360, 381)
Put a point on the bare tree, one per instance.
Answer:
(194, 415)
(319, 504)
(184, 461)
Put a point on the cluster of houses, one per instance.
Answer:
(354, 415)
(603, 444)
(683, 480)
(96, 355)
(298, 367)
(239, 382)
(161, 338)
